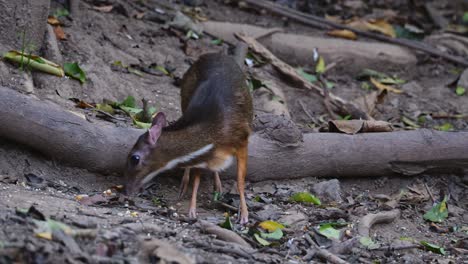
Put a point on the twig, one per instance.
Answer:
(326, 95)
(322, 23)
(399, 247)
(339, 103)
(369, 220)
(305, 110)
(323, 253)
(429, 192)
(234, 209)
(108, 115)
(222, 249)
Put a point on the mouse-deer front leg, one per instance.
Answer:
(243, 217)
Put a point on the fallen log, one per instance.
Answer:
(351, 56)
(67, 137)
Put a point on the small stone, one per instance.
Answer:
(463, 81)
(293, 217)
(328, 191)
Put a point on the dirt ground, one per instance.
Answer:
(35, 188)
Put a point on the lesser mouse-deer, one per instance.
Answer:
(214, 128)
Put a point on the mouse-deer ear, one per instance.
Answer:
(159, 121)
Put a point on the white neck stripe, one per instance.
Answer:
(173, 163)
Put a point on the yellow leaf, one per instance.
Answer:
(80, 197)
(320, 67)
(382, 26)
(134, 214)
(45, 235)
(379, 25)
(104, 9)
(53, 21)
(342, 33)
(382, 86)
(271, 226)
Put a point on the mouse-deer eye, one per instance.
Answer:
(135, 159)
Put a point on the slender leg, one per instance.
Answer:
(241, 173)
(217, 183)
(184, 183)
(193, 201)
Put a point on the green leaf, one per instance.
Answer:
(329, 85)
(74, 71)
(135, 71)
(61, 12)
(379, 76)
(131, 110)
(433, 248)
(328, 231)
(152, 110)
(402, 32)
(465, 17)
(141, 125)
(255, 84)
(368, 73)
(310, 77)
(460, 91)
(270, 225)
(320, 67)
(106, 108)
(35, 62)
(346, 117)
(156, 201)
(445, 127)
(217, 42)
(227, 223)
(368, 243)
(305, 197)
(389, 80)
(438, 212)
(162, 69)
(192, 34)
(409, 122)
(366, 86)
(216, 196)
(276, 235)
(49, 226)
(260, 240)
(129, 102)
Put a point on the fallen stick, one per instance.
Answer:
(323, 253)
(66, 137)
(366, 222)
(322, 23)
(341, 106)
(222, 233)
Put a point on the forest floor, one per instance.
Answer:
(46, 215)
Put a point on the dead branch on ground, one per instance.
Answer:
(66, 137)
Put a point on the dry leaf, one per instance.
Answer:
(104, 9)
(368, 102)
(59, 33)
(140, 15)
(382, 86)
(352, 127)
(342, 33)
(379, 25)
(53, 21)
(382, 26)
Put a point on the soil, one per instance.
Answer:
(35, 188)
